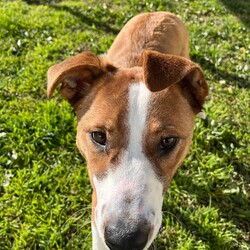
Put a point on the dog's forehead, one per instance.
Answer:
(109, 98)
(170, 109)
(109, 102)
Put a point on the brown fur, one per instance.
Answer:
(170, 115)
(157, 31)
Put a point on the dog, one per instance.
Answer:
(135, 112)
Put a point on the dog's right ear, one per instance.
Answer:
(77, 75)
(163, 70)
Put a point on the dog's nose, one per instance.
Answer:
(119, 238)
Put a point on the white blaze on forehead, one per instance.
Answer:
(134, 177)
(139, 97)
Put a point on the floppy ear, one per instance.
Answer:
(77, 74)
(163, 70)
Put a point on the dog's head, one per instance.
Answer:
(135, 127)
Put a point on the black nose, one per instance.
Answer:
(119, 238)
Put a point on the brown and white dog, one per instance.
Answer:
(135, 112)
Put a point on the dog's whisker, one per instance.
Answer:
(74, 234)
(87, 236)
(75, 213)
(164, 213)
(153, 246)
(81, 209)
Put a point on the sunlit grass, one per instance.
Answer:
(45, 195)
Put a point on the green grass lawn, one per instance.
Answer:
(45, 193)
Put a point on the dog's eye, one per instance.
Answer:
(168, 143)
(99, 137)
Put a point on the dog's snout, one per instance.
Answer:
(119, 238)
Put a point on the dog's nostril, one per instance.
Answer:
(118, 238)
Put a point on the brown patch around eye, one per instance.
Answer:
(108, 110)
(169, 132)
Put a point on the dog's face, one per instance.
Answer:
(135, 127)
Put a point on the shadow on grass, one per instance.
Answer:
(88, 20)
(42, 2)
(85, 19)
(240, 8)
(232, 79)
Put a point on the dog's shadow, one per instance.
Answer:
(98, 23)
(41, 2)
(83, 18)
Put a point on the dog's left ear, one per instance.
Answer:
(77, 75)
(163, 70)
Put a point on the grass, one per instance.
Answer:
(45, 193)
